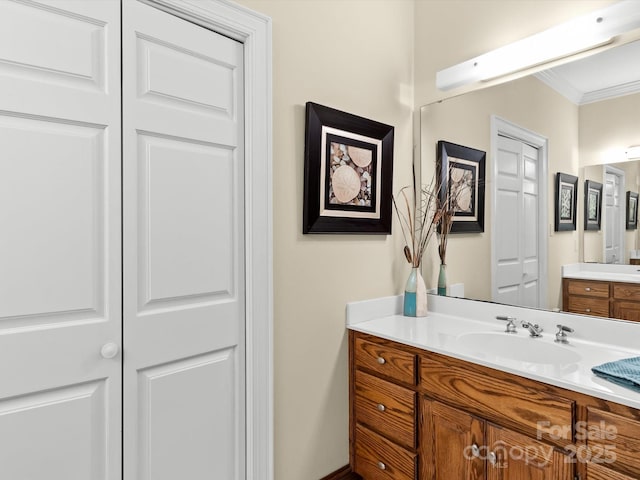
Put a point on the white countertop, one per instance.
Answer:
(602, 271)
(441, 333)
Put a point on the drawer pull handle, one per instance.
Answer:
(587, 289)
(382, 466)
(493, 458)
(475, 451)
(588, 310)
(381, 407)
(381, 361)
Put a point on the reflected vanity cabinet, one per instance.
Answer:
(601, 298)
(420, 415)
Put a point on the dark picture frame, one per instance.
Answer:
(566, 201)
(461, 170)
(348, 173)
(632, 210)
(592, 205)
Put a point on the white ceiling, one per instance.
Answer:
(612, 73)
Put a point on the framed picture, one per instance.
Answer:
(461, 172)
(592, 205)
(348, 172)
(566, 200)
(632, 210)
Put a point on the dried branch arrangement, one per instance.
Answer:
(421, 217)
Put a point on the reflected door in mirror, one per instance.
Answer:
(517, 223)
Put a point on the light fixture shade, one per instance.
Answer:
(633, 153)
(577, 35)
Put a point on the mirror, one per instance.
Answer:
(582, 133)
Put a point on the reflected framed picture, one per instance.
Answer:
(632, 210)
(592, 205)
(461, 170)
(348, 172)
(566, 201)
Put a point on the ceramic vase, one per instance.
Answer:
(442, 280)
(415, 295)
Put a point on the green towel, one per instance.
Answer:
(624, 372)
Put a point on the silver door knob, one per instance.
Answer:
(109, 350)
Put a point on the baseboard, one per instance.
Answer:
(344, 473)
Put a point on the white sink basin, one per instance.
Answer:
(517, 347)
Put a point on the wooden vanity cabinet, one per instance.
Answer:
(383, 410)
(587, 297)
(463, 446)
(448, 438)
(602, 299)
(418, 415)
(614, 442)
(499, 427)
(625, 302)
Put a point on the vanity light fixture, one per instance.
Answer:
(633, 153)
(577, 35)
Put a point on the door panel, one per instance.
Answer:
(191, 188)
(452, 434)
(197, 388)
(517, 251)
(520, 457)
(183, 248)
(613, 219)
(65, 429)
(60, 288)
(56, 181)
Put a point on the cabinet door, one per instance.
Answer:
(520, 457)
(626, 310)
(448, 436)
(598, 472)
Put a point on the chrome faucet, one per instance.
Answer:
(561, 335)
(511, 326)
(535, 331)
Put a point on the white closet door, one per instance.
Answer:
(517, 223)
(183, 249)
(60, 276)
(613, 217)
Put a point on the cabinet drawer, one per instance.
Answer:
(387, 408)
(626, 291)
(589, 306)
(385, 360)
(614, 440)
(377, 458)
(519, 404)
(588, 287)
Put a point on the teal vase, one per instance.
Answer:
(415, 295)
(442, 280)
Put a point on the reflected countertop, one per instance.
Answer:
(603, 272)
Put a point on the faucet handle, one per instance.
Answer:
(511, 326)
(561, 334)
(564, 328)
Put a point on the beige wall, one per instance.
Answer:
(358, 56)
(607, 128)
(466, 120)
(355, 56)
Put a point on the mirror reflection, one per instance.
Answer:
(578, 119)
